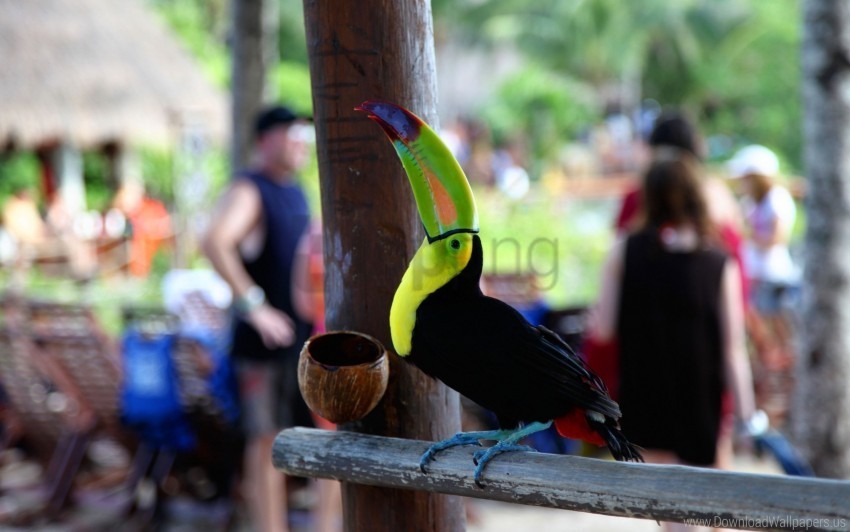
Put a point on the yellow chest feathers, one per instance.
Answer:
(432, 267)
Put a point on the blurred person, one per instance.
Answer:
(72, 232)
(479, 161)
(509, 172)
(309, 303)
(24, 223)
(674, 129)
(27, 232)
(149, 224)
(618, 153)
(671, 297)
(770, 213)
(252, 243)
(309, 298)
(671, 128)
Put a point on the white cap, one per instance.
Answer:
(754, 159)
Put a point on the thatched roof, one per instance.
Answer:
(96, 71)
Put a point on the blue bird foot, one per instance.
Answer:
(485, 455)
(507, 443)
(482, 458)
(461, 438)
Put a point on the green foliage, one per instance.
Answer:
(564, 243)
(216, 165)
(99, 191)
(292, 81)
(292, 41)
(731, 63)
(543, 107)
(752, 87)
(308, 178)
(202, 27)
(157, 167)
(704, 34)
(160, 168)
(18, 171)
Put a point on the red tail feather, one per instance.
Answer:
(574, 425)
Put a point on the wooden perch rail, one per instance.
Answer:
(665, 493)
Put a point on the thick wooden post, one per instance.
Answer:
(361, 50)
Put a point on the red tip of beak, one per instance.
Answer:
(397, 122)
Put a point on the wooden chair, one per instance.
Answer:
(73, 344)
(94, 369)
(196, 310)
(54, 319)
(71, 337)
(54, 419)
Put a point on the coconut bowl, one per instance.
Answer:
(342, 375)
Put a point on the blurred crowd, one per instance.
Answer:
(614, 147)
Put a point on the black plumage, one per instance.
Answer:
(486, 350)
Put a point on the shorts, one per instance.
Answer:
(270, 398)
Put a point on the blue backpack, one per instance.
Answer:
(150, 399)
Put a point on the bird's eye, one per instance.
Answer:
(455, 244)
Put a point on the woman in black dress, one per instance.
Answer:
(672, 300)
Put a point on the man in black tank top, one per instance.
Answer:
(252, 243)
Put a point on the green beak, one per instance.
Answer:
(442, 193)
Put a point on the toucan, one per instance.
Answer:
(441, 322)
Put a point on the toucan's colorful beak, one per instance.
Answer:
(442, 192)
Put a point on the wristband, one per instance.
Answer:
(252, 299)
(758, 424)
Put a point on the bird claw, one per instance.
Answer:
(427, 457)
(483, 457)
(506, 443)
(455, 441)
(477, 456)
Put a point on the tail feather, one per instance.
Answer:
(621, 448)
(576, 425)
(595, 428)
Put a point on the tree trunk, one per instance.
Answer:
(361, 50)
(271, 54)
(821, 409)
(248, 76)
